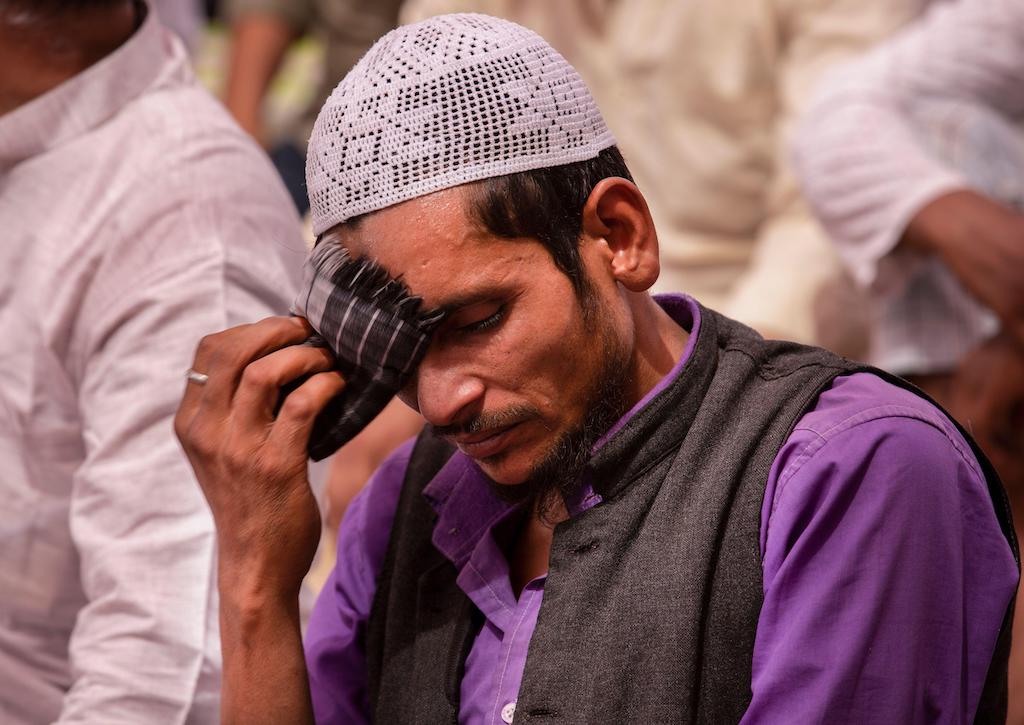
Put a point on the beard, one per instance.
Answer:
(557, 475)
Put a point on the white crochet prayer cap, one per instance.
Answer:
(452, 99)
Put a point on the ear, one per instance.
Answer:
(617, 214)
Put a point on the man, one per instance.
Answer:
(928, 212)
(652, 514)
(135, 217)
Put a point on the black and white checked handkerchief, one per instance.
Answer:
(375, 329)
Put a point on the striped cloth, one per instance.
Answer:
(375, 329)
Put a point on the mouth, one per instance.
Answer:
(486, 443)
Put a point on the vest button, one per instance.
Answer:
(508, 713)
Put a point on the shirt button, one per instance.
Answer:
(508, 713)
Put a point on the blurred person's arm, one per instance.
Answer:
(872, 183)
(413, 11)
(987, 389)
(793, 257)
(261, 32)
(145, 647)
(982, 242)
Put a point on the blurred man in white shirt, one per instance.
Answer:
(135, 218)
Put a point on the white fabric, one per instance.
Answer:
(184, 17)
(135, 218)
(936, 109)
(452, 99)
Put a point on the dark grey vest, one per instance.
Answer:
(652, 598)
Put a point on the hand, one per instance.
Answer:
(987, 397)
(982, 242)
(252, 466)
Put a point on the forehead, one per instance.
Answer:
(439, 252)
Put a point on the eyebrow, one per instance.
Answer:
(467, 299)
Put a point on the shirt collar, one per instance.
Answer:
(462, 496)
(91, 97)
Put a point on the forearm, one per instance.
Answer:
(258, 45)
(265, 679)
(957, 219)
(260, 573)
(141, 649)
(871, 150)
(980, 241)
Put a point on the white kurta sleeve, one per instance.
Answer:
(145, 647)
(863, 164)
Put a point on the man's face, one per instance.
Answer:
(517, 368)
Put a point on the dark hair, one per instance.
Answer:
(547, 205)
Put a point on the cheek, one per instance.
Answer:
(537, 362)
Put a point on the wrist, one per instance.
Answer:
(249, 605)
(254, 581)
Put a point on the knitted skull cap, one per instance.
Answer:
(452, 99)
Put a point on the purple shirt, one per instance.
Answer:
(886, 576)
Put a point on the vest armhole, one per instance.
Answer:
(428, 456)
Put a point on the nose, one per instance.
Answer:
(444, 393)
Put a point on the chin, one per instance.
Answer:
(504, 470)
(516, 464)
(516, 460)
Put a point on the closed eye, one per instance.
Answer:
(484, 324)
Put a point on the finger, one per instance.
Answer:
(224, 356)
(295, 420)
(260, 387)
(193, 393)
(194, 390)
(221, 357)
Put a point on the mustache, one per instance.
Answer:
(488, 421)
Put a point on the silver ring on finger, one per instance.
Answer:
(196, 377)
